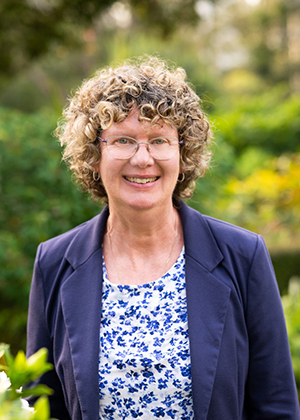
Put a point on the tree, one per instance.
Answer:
(270, 34)
(30, 28)
(38, 201)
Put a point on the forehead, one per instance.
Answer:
(134, 126)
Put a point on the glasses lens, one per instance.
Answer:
(163, 148)
(121, 147)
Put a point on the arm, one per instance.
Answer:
(271, 391)
(38, 336)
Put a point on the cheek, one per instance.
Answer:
(103, 165)
(179, 166)
(110, 170)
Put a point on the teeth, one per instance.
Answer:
(141, 180)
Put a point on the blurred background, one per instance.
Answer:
(243, 58)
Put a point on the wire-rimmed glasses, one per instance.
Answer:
(124, 147)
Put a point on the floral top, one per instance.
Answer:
(144, 363)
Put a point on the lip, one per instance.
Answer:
(145, 180)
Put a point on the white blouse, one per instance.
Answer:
(144, 362)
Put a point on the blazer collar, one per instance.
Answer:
(200, 243)
(88, 240)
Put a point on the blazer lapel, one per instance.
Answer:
(81, 302)
(207, 302)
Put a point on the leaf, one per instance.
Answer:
(20, 363)
(37, 391)
(37, 363)
(42, 409)
(3, 348)
(5, 355)
(38, 358)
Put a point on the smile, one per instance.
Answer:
(141, 180)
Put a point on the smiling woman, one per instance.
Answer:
(160, 95)
(151, 309)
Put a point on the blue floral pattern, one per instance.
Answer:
(144, 363)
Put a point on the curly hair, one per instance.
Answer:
(159, 92)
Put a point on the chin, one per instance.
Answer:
(146, 203)
(142, 205)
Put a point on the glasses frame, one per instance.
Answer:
(137, 145)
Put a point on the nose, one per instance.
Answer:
(142, 156)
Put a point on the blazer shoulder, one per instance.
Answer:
(60, 242)
(245, 256)
(210, 240)
(52, 251)
(221, 230)
(225, 228)
(232, 237)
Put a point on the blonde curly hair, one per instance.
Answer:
(159, 92)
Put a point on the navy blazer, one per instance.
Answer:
(240, 359)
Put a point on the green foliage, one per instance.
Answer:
(210, 190)
(38, 201)
(268, 120)
(17, 372)
(286, 264)
(291, 306)
(21, 371)
(50, 80)
(267, 200)
(62, 24)
(52, 21)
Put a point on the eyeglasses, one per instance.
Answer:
(124, 147)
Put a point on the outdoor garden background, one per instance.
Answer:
(242, 56)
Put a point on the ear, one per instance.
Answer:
(96, 167)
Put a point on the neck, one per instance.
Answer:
(143, 225)
(142, 246)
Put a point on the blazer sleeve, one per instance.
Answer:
(38, 336)
(271, 390)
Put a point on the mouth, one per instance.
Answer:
(141, 180)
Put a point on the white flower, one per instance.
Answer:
(25, 405)
(4, 382)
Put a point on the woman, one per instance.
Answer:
(150, 309)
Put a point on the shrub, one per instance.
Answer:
(15, 372)
(291, 306)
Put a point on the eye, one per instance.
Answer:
(121, 141)
(159, 141)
